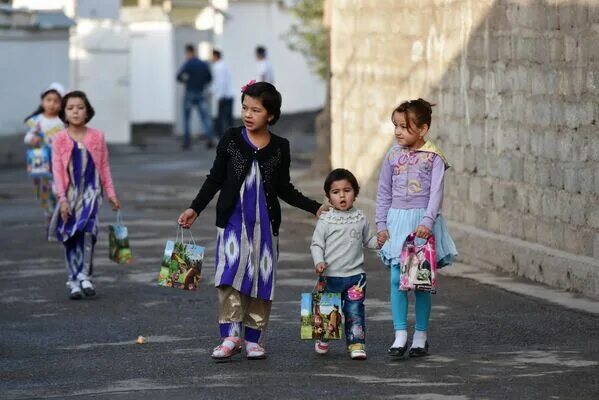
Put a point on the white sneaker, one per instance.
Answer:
(88, 288)
(321, 347)
(357, 351)
(74, 290)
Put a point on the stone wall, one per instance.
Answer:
(517, 86)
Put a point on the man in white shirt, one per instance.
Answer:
(265, 72)
(222, 90)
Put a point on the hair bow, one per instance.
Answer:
(250, 83)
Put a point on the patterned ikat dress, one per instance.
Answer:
(247, 251)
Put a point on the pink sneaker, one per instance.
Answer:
(321, 347)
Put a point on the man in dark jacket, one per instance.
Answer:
(195, 74)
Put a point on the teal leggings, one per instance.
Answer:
(399, 305)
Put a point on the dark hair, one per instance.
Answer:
(421, 109)
(261, 51)
(340, 174)
(217, 53)
(80, 95)
(39, 108)
(190, 48)
(269, 96)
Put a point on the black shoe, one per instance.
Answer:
(186, 147)
(88, 288)
(210, 144)
(419, 351)
(397, 352)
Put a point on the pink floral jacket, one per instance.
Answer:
(62, 148)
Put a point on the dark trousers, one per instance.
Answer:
(224, 118)
(199, 100)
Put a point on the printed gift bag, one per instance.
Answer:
(119, 250)
(418, 265)
(39, 162)
(321, 316)
(181, 264)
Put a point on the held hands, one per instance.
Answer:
(319, 268)
(423, 232)
(65, 211)
(114, 203)
(323, 208)
(382, 237)
(187, 218)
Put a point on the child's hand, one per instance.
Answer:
(187, 218)
(320, 267)
(36, 141)
(323, 208)
(382, 237)
(114, 203)
(65, 211)
(423, 232)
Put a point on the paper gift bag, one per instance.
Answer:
(418, 265)
(119, 250)
(321, 316)
(181, 264)
(39, 162)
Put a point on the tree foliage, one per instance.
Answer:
(309, 36)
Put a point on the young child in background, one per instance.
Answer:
(81, 176)
(251, 170)
(42, 125)
(409, 199)
(336, 248)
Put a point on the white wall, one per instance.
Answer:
(100, 67)
(152, 72)
(254, 23)
(30, 62)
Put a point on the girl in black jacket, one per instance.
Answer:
(251, 170)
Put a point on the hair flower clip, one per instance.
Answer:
(250, 83)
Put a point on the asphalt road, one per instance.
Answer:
(486, 343)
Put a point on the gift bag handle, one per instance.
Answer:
(412, 239)
(191, 237)
(181, 232)
(119, 217)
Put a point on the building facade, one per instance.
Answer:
(516, 88)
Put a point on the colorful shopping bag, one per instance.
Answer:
(39, 164)
(418, 265)
(119, 250)
(181, 263)
(321, 316)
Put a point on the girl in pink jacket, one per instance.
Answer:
(81, 176)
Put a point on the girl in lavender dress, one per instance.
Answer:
(251, 170)
(409, 199)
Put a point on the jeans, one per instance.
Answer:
(399, 304)
(353, 310)
(224, 118)
(199, 100)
